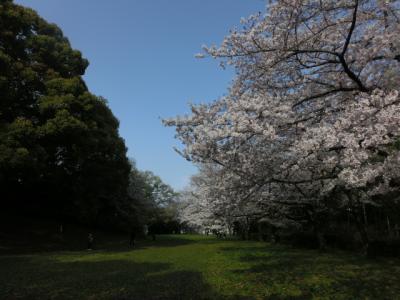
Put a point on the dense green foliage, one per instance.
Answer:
(60, 151)
(154, 201)
(195, 267)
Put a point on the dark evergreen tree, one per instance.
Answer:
(60, 151)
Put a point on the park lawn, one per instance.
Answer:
(197, 267)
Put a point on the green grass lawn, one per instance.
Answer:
(196, 267)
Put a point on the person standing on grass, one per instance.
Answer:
(132, 239)
(90, 241)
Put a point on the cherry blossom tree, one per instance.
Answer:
(311, 122)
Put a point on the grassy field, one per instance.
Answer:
(195, 267)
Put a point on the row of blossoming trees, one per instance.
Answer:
(308, 136)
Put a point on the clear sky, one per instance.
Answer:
(141, 55)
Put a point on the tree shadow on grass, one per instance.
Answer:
(91, 277)
(161, 241)
(78, 242)
(304, 274)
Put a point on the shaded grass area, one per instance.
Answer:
(286, 273)
(196, 267)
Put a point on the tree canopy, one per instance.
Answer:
(309, 130)
(60, 150)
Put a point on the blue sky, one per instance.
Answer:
(141, 55)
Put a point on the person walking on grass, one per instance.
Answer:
(90, 241)
(132, 239)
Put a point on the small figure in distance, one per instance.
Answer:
(153, 235)
(90, 241)
(132, 239)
